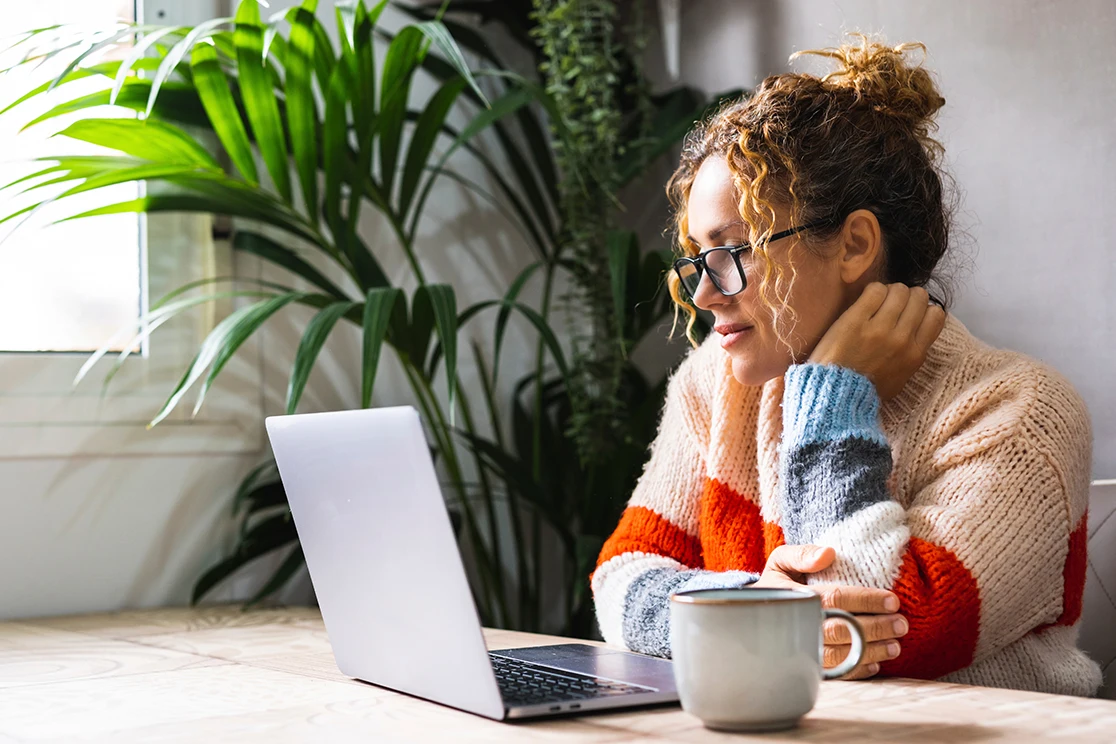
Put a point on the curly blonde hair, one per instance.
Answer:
(857, 138)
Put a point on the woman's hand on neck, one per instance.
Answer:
(885, 336)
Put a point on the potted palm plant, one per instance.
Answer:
(312, 133)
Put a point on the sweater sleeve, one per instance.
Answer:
(991, 545)
(655, 550)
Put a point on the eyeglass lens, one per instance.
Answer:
(723, 271)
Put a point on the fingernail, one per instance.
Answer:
(901, 627)
(891, 604)
(892, 650)
(873, 668)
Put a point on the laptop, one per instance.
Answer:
(392, 588)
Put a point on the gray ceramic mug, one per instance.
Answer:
(750, 659)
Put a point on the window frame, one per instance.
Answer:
(42, 414)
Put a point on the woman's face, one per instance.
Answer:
(819, 293)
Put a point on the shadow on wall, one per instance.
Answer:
(732, 55)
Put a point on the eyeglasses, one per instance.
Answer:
(723, 264)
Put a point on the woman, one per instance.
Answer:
(839, 428)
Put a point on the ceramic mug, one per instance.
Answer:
(750, 659)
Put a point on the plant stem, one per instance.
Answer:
(490, 506)
(441, 429)
(536, 445)
(487, 385)
(438, 427)
(408, 247)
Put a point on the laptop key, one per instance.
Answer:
(524, 683)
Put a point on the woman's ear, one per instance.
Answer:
(861, 247)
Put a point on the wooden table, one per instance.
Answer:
(222, 675)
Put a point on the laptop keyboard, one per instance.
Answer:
(524, 683)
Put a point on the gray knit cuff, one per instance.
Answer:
(647, 604)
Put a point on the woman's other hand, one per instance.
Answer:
(884, 335)
(876, 609)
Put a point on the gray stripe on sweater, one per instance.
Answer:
(647, 610)
(824, 483)
(647, 603)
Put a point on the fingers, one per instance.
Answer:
(874, 653)
(864, 671)
(869, 302)
(803, 559)
(930, 327)
(875, 627)
(918, 303)
(859, 600)
(893, 305)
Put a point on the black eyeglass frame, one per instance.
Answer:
(698, 261)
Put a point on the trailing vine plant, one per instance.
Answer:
(582, 53)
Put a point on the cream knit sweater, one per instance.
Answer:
(965, 495)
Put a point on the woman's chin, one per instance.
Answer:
(752, 373)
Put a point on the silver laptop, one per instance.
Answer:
(392, 588)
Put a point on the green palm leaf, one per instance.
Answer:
(427, 128)
(148, 140)
(379, 307)
(360, 59)
(280, 255)
(294, 561)
(532, 129)
(219, 346)
(183, 105)
(136, 54)
(335, 148)
(504, 314)
(212, 198)
(259, 96)
(73, 168)
(437, 33)
(400, 64)
(55, 47)
(506, 104)
(143, 171)
(260, 476)
(302, 113)
(177, 53)
(443, 307)
(220, 107)
(94, 48)
(317, 331)
(507, 305)
(152, 322)
(268, 535)
(105, 69)
(147, 324)
(546, 333)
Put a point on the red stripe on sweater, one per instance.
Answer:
(734, 536)
(1073, 574)
(642, 529)
(940, 600)
(772, 538)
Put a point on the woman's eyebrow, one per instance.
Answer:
(715, 234)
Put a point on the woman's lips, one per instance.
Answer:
(732, 333)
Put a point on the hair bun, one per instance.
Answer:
(881, 76)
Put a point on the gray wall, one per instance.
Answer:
(1028, 129)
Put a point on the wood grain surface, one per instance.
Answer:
(222, 675)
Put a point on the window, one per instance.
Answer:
(71, 288)
(73, 285)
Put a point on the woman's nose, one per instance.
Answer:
(707, 296)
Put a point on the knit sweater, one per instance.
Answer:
(965, 495)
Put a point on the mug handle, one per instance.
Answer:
(855, 653)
